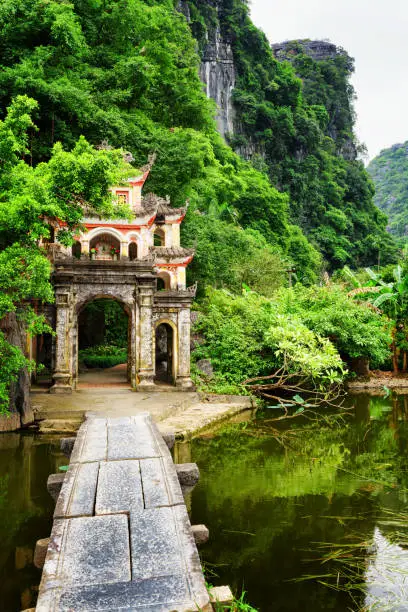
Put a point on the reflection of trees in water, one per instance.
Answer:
(4, 484)
(26, 509)
(268, 505)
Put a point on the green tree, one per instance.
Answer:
(392, 298)
(32, 199)
(356, 330)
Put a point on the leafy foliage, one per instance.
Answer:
(32, 199)
(304, 332)
(103, 356)
(355, 330)
(391, 298)
(127, 72)
(247, 336)
(105, 321)
(389, 171)
(303, 129)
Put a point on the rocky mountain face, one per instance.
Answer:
(217, 70)
(21, 412)
(325, 70)
(318, 50)
(329, 67)
(389, 171)
(288, 108)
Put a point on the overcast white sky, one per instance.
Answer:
(375, 33)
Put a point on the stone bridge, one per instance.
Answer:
(121, 538)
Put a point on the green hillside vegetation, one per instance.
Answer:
(301, 127)
(75, 75)
(389, 171)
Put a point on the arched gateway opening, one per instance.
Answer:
(166, 354)
(103, 343)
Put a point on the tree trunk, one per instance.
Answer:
(395, 359)
(394, 352)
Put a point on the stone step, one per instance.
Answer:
(61, 425)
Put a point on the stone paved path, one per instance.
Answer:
(183, 413)
(115, 377)
(121, 538)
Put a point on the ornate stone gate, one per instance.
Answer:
(134, 285)
(138, 262)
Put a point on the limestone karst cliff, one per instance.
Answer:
(325, 70)
(288, 108)
(217, 70)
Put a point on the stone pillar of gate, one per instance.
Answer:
(146, 366)
(62, 375)
(183, 379)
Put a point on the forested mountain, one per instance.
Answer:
(128, 72)
(272, 177)
(295, 119)
(389, 171)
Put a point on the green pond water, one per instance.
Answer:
(26, 510)
(275, 506)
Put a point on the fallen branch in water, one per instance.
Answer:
(285, 388)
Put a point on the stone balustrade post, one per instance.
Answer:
(62, 375)
(183, 379)
(146, 365)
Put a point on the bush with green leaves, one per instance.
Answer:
(103, 356)
(247, 336)
(310, 331)
(354, 328)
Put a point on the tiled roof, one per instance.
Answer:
(170, 252)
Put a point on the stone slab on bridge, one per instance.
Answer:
(121, 538)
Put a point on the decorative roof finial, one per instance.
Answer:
(150, 163)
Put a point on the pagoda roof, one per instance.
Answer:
(151, 203)
(172, 253)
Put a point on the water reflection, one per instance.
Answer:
(387, 576)
(275, 510)
(25, 513)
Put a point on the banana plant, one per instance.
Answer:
(392, 300)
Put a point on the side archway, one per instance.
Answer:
(159, 237)
(132, 251)
(166, 352)
(76, 249)
(163, 281)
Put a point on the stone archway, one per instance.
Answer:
(70, 300)
(166, 352)
(103, 334)
(78, 282)
(88, 295)
(106, 247)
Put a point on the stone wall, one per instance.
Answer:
(21, 412)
